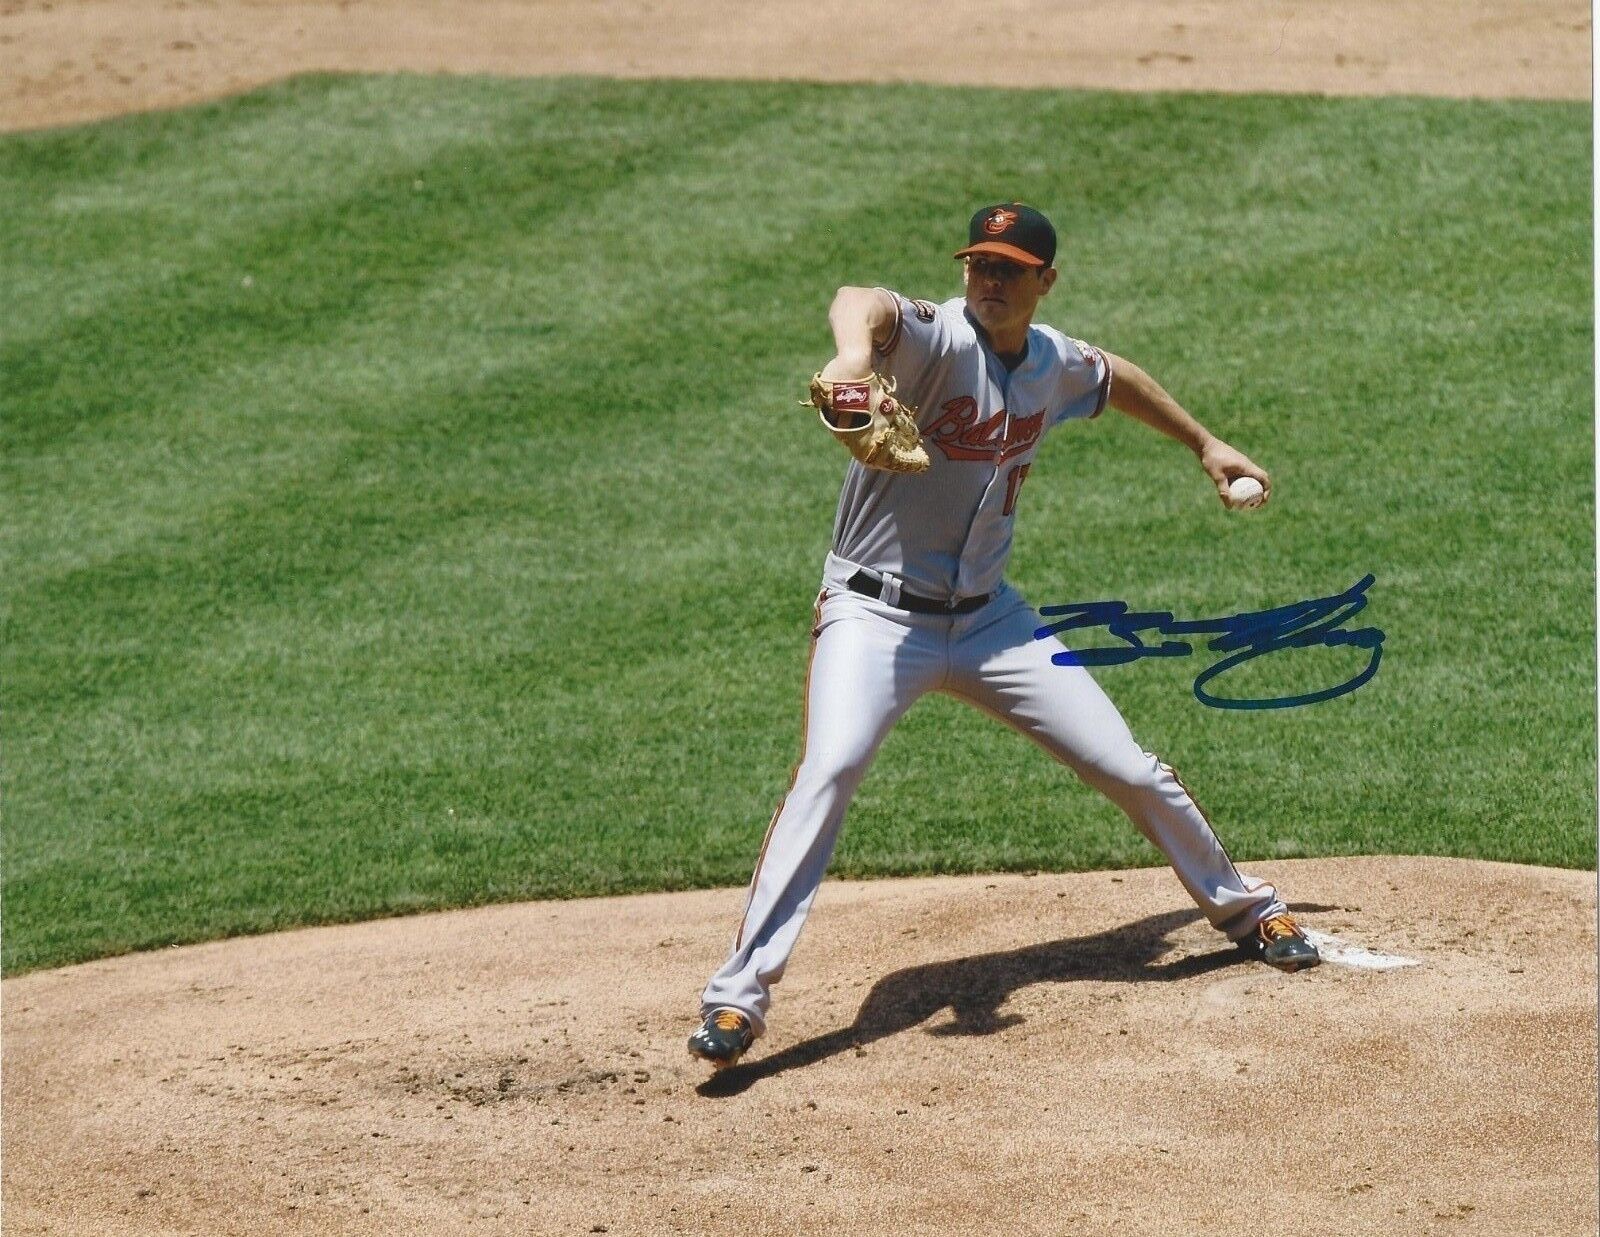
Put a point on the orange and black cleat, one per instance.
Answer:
(723, 1038)
(1280, 943)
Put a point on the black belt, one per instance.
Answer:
(864, 584)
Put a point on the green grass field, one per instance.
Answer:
(407, 506)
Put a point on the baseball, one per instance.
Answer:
(1245, 492)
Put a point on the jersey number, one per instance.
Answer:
(1014, 480)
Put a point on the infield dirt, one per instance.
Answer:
(1045, 1054)
(67, 60)
(1056, 1053)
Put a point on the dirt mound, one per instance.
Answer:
(70, 60)
(1055, 1053)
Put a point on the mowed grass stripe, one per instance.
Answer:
(490, 579)
(229, 542)
(309, 376)
(239, 547)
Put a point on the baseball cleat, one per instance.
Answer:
(1279, 943)
(723, 1038)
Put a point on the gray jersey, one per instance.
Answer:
(947, 532)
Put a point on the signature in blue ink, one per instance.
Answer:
(1303, 624)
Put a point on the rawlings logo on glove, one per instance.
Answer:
(852, 395)
(875, 427)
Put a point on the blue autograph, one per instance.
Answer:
(1303, 624)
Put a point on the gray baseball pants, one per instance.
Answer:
(869, 663)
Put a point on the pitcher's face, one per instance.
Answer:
(1003, 295)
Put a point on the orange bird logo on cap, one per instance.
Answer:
(1000, 221)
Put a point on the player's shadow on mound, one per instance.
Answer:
(974, 989)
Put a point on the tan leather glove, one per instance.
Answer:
(874, 426)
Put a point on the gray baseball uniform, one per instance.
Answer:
(944, 536)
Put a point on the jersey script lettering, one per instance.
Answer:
(960, 435)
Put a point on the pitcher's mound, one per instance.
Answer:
(1060, 1053)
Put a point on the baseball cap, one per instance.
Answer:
(1012, 230)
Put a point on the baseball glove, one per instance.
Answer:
(874, 426)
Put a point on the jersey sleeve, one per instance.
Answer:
(921, 336)
(1085, 381)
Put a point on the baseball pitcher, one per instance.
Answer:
(943, 407)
